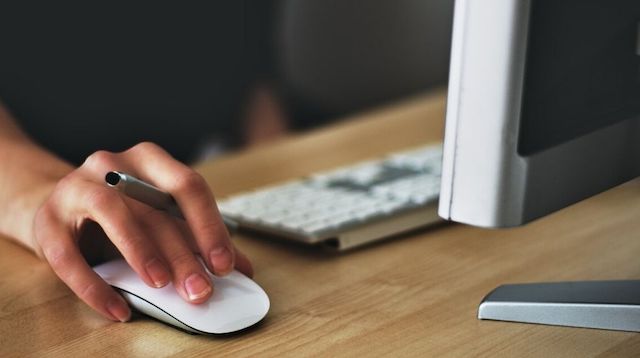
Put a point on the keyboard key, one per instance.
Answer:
(328, 202)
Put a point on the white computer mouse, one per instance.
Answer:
(237, 302)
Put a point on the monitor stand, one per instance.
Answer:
(613, 305)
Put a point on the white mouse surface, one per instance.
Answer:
(237, 302)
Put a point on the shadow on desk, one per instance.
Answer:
(328, 249)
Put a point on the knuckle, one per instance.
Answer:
(103, 200)
(44, 216)
(88, 291)
(145, 148)
(99, 160)
(44, 224)
(183, 259)
(132, 245)
(65, 183)
(43, 221)
(189, 182)
(213, 229)
(57, 257)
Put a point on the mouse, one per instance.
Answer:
(237, 301)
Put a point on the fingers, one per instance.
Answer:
(195, 200)
(242, 262)
(189, 276)
(105, 206)
(59, 248)
(158, 249)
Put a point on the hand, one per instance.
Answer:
(160, 248)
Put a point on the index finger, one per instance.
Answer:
(59, 248)
(195, 199)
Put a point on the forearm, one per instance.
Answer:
(27, 175)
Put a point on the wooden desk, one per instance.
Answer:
(416, 295)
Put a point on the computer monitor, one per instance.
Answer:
(543, 111)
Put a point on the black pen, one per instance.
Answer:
(152, 196)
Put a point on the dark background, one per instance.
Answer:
(582, 70)
(82, 76)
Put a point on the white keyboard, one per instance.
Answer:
(347, 206)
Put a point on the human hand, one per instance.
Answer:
(159, 247)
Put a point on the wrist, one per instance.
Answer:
(17, 222)
(29, 175)
(28, 183)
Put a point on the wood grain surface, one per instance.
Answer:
(414, 295)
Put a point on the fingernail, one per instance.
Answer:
(158, 273)
(119, 309)
(221, 260)
(196, 286)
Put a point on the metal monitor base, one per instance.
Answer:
(612, 305)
